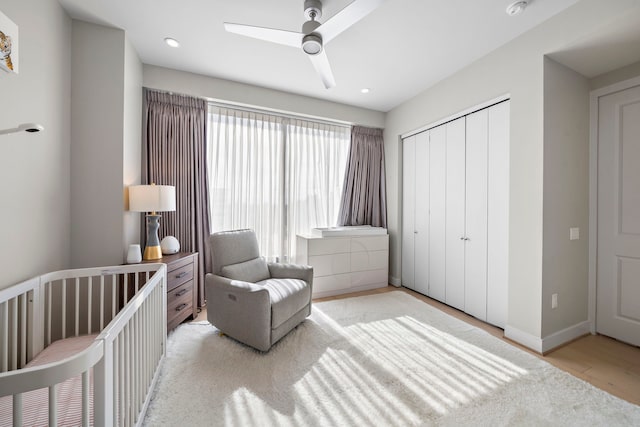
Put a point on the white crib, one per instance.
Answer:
(82, 347)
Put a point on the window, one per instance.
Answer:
(277, 175)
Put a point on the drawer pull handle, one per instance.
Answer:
(181, 307)
(182, 292)
(181, 275)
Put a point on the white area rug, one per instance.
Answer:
(379, 360)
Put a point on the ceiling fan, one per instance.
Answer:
(314, 35)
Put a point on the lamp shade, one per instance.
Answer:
(152, 198)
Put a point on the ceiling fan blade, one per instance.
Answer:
(287, 38)
(321, 64)
(346, 17)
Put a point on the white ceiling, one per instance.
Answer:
(400, 49)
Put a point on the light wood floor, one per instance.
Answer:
(604, 362)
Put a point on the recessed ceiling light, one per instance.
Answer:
(517, 7)
(365, 90)
(172, 42)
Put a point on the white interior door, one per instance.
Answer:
(421, 236)
(618, 267)
(437, 212)
(498, 214)
(408, 210)
(455, 213)
(475, 266)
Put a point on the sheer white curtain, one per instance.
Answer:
(245, 153)
(316, 161)
(276, 175)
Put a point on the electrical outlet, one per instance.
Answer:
(554, 301)
(574, 233)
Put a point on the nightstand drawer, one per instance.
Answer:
(179, 276)
(182, 287)
(179, 292)
(180, 303)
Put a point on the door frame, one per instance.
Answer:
(595, 95)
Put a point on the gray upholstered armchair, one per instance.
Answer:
(250, 300)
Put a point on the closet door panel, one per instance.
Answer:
(455, 213)
(476, 215)
(437, 212)
(421, 220)
(408, 210)
(498, 214)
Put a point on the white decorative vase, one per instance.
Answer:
(170, 245)
(134, 254)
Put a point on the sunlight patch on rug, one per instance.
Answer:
(385, 359)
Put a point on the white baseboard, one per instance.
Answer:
(564, 336)
(543, 345)
(334, 292)
(524, 338)
(395, 281)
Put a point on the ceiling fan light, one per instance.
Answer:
(171, 42)
(312, 44)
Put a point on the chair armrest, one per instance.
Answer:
(291, 271)
(240, 309)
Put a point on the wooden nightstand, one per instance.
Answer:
(182, 286)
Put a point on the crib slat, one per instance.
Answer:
(64, 308)
(116, 375)
(113, 295)
(126, 288)
(4, 337)
(77, 306)
(89, 303)
(136, 355)
(121, 380)
(137, 279)
(23, 332)
(14, 335)
(128, 362)
(101, 302)
(49, 297)
(17, 410)
(85, 398)
(53, 406)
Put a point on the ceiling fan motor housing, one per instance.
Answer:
(311, 42)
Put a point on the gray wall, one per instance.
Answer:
(565, 263)
(34, 168)
(516, 68)
(105, 135)
(615, 76)
(132, 141)
(243, 94)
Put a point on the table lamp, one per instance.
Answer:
(152, 199)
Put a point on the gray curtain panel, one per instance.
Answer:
(364, 197)
(174, 153)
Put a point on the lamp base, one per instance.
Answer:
(152, 252)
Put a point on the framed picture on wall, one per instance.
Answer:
(8, 44)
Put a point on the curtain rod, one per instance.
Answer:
(263, 110)
(279, 113)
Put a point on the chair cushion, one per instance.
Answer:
(254, 270)
(288, 296)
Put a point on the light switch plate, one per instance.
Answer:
(574, 233)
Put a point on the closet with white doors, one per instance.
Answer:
(455, 216)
